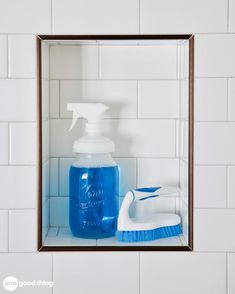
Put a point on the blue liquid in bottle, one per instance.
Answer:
(93, 208)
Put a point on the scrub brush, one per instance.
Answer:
(146, 228)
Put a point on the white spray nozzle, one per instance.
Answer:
(93, 112)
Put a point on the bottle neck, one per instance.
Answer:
(94, 160)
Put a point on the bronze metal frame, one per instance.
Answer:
(188, 37)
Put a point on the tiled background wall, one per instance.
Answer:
(210, 268)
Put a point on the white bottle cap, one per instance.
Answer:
(93, 142)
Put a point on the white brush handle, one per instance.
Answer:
(145, 193)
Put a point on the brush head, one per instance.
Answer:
(148, 235)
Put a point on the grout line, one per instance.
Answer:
(52, 271)
(227, 16)
(59, 99)
(227, 272)
(139, 16)
(59, 176)
(52, 20)
(8, 63)
(227, 114)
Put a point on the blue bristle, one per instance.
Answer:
(148, 235)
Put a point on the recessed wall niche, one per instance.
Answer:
(147, 82)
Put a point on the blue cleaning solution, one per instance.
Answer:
(93, 203)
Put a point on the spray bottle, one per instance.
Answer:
(93, 177)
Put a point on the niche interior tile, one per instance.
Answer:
(108, 17)
(215, 143)
(54, 176)
(59, 211)
(213, 231)
(192, 277)
(23, 143)
(131, 137)
(153, 172)
(210, 187)
(154, 98)
(231, 186)
(22, 230)
(3, 56)
(67, 272)
(184, 16)
(22, 56)
(138, 62)
(4, 143)
(3, 230)
(15, 187)
(210, 99)
(74, 62)
(215, 56)
(27, 267)
(18, 100)
(120, 96)
(54, 98)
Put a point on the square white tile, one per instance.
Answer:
(3, 56)
(138, 62)
(3, 230)
(15, 17)
(215, 55)
(74, 62)
(158, 99)
(215, 143)
(210, 187)
(15, 187)
(231, 271)
(123, 265)
(23, 143)
(108, 17)
(182, 272)
(27, 267)
(119, 96)
(208, 93)
(4, 143)
(22, 56)
(213, 230)
(18, 100)
(183, 17)
(231, 17)
(22, 231)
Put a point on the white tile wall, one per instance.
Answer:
(231, 99)
(182, 273)
(90, 17)
(22, 230)
(4, 143)
(23, 143)
(214, 57)
(26, 16)
(210, 92)
(215, 143)
(27, 267)
(231, 186)
(213, 230)
(18, 187)
(210, 187)
(231, 270)
(114, 279)
(3, 230)
(3, 56)
(18, 100)
(172, 16)
(22, 56)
